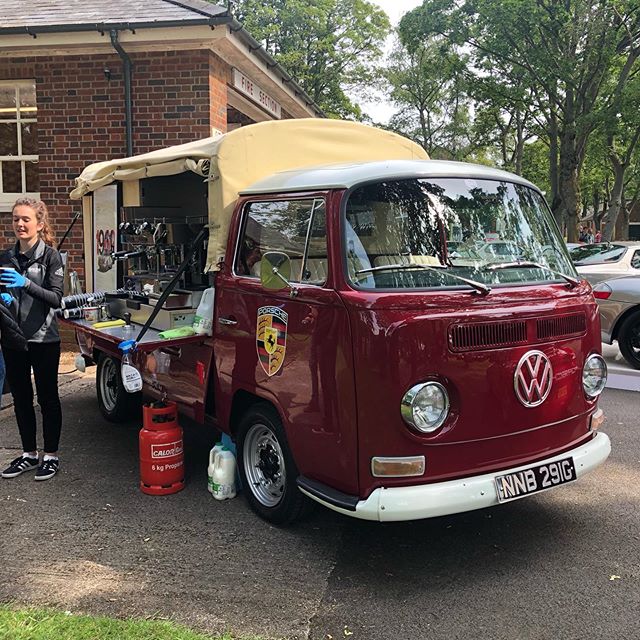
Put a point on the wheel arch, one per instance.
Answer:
(621, 319)
(242, 401)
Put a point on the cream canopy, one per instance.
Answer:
(233, 161)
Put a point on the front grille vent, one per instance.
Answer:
(561, 326)
(469, 337)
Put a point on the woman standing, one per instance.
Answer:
(32, 271)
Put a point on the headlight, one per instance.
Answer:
(425, 406)
(594, 375)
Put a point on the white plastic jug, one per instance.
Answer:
(203, 321)
(224, 475)
(212, 457)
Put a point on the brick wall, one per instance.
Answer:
(177, 97)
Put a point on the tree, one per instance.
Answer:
(427, 85)
(565, 51)
(329, 46)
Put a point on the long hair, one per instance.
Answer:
(42, 215)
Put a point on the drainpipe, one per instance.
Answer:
(126, 61)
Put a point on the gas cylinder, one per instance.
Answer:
(161, 450)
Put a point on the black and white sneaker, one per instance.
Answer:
(47, 469)
(20, 465)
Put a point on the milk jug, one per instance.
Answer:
(224, 475)
(203, 321)
(212, 456)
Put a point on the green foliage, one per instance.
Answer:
(329, 46)
(559, 71)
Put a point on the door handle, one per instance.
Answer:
(227, 321)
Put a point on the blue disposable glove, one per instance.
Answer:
(12, 279)
(6, 298)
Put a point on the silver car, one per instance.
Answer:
(619, 306)
(605, 260)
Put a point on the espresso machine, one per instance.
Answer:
(154, 242)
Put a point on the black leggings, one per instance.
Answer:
(44, 359)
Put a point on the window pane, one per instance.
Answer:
(8, 139)
(27, 100)
(11, 177)
(32, 175)
(286, 226)
(7, 102)
(30, 139)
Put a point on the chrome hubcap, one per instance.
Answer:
(264, 465)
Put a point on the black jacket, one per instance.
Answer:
(11, 337)
(37, 303)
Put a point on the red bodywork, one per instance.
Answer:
(351, 355)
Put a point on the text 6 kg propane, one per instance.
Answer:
(161, 450)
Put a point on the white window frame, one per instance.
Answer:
(7, 199)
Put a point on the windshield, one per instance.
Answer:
(456, 227)
(597, 253)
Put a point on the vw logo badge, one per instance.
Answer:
(533, 378)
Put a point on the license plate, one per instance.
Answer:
(545, 476)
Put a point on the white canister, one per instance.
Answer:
(224, 475)
(203, 321)
(212, 457)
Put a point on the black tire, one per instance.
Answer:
(115, 404)
(267, 468)
(629, 339)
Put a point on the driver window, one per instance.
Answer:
(294, 227)
(635, 261)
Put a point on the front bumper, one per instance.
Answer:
(457, 496)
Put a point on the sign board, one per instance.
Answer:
(105, 235)
(250, 89)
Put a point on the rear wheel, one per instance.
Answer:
(629, 339)
(267, 468)
(115, 404)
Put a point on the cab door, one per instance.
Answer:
(292, 351)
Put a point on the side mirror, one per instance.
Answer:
(275, 271)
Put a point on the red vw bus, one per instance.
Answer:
(373, 352)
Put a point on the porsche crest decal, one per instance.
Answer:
(271, 338)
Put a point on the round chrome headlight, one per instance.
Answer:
(425, 406)
(594, 375)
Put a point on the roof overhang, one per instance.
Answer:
(222, 35)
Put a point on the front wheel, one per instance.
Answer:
(629, 339)
(267, 469)
(115, 404)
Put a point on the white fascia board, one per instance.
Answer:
(91, 42)
(237, 54)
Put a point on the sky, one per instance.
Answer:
(381, 111)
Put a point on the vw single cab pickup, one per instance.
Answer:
(393, 337)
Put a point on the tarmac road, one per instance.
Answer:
(561, 565)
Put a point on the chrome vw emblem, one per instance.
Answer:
(533, 378)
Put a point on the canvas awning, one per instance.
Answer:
(233, 161)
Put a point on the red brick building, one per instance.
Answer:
(84, 81)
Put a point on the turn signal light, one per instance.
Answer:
(397, 467)
(597, 418)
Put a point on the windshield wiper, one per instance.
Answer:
(478, 286)
(527, 264)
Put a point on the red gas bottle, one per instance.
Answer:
(161, 450)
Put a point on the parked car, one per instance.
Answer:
(500, 251)
(619, 305)
(605, 260)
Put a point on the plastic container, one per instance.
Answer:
(203, 321)
(131, 378)
(212, 456)
(224, 474)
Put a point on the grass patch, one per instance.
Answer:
(45, 624)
